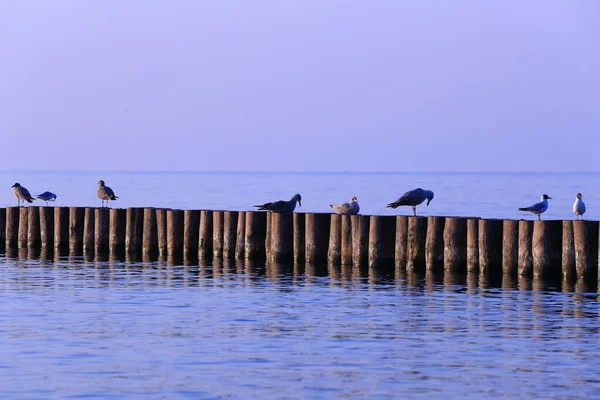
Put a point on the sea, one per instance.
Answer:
(77, 328)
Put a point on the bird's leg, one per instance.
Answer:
(414, 210)
(539, 217)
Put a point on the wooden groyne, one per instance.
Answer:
(554, 249)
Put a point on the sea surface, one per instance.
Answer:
(72, 327)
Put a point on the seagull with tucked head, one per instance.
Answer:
(46, 196)
(413, 198)
(538, 208)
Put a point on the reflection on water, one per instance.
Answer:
(77, 326)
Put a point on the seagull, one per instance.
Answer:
(282, 206)
(538, 208)
(579, 206)
(46, 196)
(105, 193)
(413, 198)
(21, 194)
(351, 208)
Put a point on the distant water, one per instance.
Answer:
(493, 195)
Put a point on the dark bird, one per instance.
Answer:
(282, 206)
(413, 198)
(46, 196)
(21, 194)
(105, 193)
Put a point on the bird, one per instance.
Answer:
(105, 193)
(46, 196)
(351, 208)
(413, 198)
(282, 206)
(538, 208)
(579, 206)
(21, 194)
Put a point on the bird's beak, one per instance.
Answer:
(299, 202)
(428, 201)
(550, 197)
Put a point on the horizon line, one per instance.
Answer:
(297, 171)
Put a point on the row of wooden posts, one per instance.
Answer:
(529, 248)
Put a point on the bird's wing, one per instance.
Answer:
(279, 205)
(410, 198)
(109, 192)
(342, 208)
(536, 207)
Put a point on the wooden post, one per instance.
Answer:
(490, 245)
(525, 248)
(256, 227)
(3, 227)
(510, 246)
(317, 237)
(268, 236)
(46, 227)
(360, 239)
(191, 233)
(134, 226)
(472, 245)
(101, 231)
(334, 251)
(299, 236)
(150, 236)
(61, 228)
(546, 248)
(346, 240)
(116, 234)
(12, 227)
(401, 251)
(382, 240)
(417, 237)
(175, 233)
(89, 229)
(568, 252)
(586, 249)
(434, 243)
(218, 232)
(240, 236)
(229, 233)
(76, 217)
(282, 237)
(205, 240)
(161, 232)
(455, 244)
(34, 238)
(23, 225)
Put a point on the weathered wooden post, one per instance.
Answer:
(268, 236)
(299, 236)
(334, 251)
(46, 227)
(360, 240)
(490, 245)
(586, 249)
(546, 248)
(417, 236)
(89, 229)
(434, 243)
(282, 237)
(161, 231)
(23, 225)
(229, 233)
(525, 248)
(34, 238)
(12, 227)
(346, 240)
(473, 245)
(76, 217)
(455, 244)
(256, 229)
(317, 237)
(510, 246)
(401, 250)
(205, 246)
(240, 236)
(134, 226)
(175, 233)
(218, 232)
(191, 233)
(101, 231)
(116, 234)
(150, 236)
(61, 228)
(3, 227)
(568, 252)
(382, 240)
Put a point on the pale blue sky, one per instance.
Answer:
(321, 85)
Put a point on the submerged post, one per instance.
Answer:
(150, 238)
(510, 247)
(33, 227)
(218, 232)
(401, 250)
(229, 233)
(191, 232)
(299, 236)
(240, 236)
(205, 240)
(282, 237)
(89, 229)
(255, 235)
(12, 227)
(47, 227)
(586, 249)
(76, 217)
(472, 245)
(455, 244)
(417, 237)
(61, 228)
(116, 234)
(568, 252)
(334, 252)
(360, 239)
(525, 267)
(175, 233)
(317, 237)
(23, 224)
(346, 258)
(434, 243)
(101, 231)
(490, 245)
(546, 248)
(161, 232)
(382, 240)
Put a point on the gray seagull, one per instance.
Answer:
(105, 193)
(413, 198)
(538, 208)
(21, 194)
(282, 206)
(351, 208)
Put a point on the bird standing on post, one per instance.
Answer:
(351, 208)
(413, 198)
(21, 194)
(579, 206)
(538, 208)
(105, 193)
(282, 206)
(46, 196)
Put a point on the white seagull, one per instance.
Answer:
(351, 208)
(579, 206)
(538, 208)
(413, 198)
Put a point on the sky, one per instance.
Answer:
(307, 85)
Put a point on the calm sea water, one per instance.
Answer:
(75, 328)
